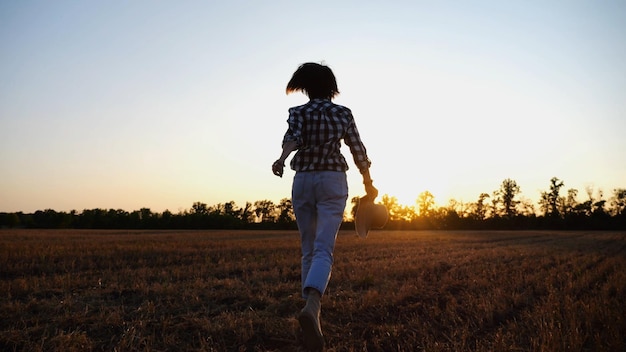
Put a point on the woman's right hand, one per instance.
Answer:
(278, 168)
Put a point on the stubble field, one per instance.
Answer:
(72, 290)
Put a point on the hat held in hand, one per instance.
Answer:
(369, 216)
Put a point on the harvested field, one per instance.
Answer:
(75, 290)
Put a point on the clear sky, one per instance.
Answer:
(159, 104)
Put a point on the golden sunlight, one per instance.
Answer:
(406, 188)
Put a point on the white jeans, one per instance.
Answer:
(319, 200)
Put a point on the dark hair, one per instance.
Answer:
(315, 80)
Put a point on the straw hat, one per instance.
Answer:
(369, 216)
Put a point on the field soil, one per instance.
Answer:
(77, 290)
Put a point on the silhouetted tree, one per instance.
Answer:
(479, 209)
(496, 200)
(355, 204)
(595, 205)
(265, 210)
(246, 213)
(285, 209)
(399, 215)
(50, 218)
(167, 219)
(458, 207)
(508, 191)
(618, 202)
(448, 219)
(550, 202)
(145, 214)
(425, 204)
(217, 209)
(12, 220)
(393, 207)
(570, 202)
(199, 208)
(525, 207)
(599, 207)
(230, 209)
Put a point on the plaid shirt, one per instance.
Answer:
(318, 128)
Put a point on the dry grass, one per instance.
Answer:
(77, 290)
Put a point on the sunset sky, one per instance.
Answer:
(159, 104)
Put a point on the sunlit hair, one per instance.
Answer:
(315, 80)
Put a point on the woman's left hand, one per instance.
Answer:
(371, 192)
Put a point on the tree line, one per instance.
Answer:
(503, 209)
